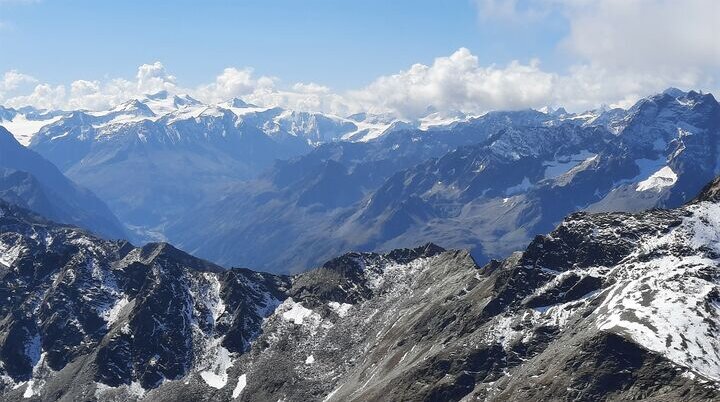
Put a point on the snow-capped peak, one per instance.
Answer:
(163, 102)
(239, 103)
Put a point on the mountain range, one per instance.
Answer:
(155, 158)
(608, 306)
(282, 190)
(490, 184)
(578, 254)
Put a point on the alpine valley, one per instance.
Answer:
(511, 256)
(283, 191)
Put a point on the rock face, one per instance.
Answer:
(81, 314)
(28, 179)
(606, 307)
(609, 306)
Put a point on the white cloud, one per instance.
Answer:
(153, 78)
(619, 50)
(455, 82)
(654, 36)
(234, 83)
(310, 88)
(458, 82)
(622, 50)
(13, 79)
(44, 96)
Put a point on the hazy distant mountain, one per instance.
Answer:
(153, 159)
(29, 180)
(523, 172)
(173, 168)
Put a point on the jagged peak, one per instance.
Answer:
(152, 252)
(134, 106)
(674, 92)
(240, 104)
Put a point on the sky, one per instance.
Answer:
(336, 56)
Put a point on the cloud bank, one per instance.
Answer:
(622, 50)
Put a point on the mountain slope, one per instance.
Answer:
(29, 180)
(150, 168)
(496, 196)
(26, 122)
(606, 307)
(189, 152)
(82, 315)
(489, 184)
(609, 306)
(322, 190)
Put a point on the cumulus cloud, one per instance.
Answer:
(457, 82)
(44, 96)
(85, 94)
(13, 79)
(620, 51)
(154, 78)
(234, 83)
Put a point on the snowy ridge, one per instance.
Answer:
(669, 303)
(313, 126)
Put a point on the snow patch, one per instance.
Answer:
(212, 299)
(659, 180)
(24, 130)
(297, 313)
(111, 315)
(9, 254)
(216, 361)
(217, 376)
(242, 382)
(29, 390)
(340, 309)
(665, 303)
(561, 165)
(135, 390)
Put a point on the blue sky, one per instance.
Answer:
(342, 44)
(357, 55)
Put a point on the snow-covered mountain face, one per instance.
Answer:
(152, 167)
(613, 306)
(26, 122)
(522, 182)
(490, 184)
